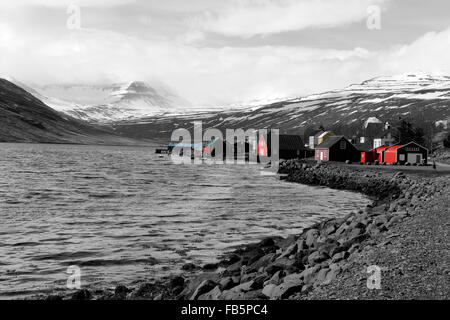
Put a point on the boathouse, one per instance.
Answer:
(373, 155)
(337, 148)
(290, 147)
(412, 153)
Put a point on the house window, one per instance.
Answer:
(343, 145)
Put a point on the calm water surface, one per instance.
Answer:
(123, 215)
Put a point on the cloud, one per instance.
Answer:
(64, 3)
(247, 18)
(206, 75)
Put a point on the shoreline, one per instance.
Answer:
(307, 265)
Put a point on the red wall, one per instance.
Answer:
(390, 157)
(325, 154)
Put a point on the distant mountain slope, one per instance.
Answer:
(25, 118)
(109, 103)
(411, 96)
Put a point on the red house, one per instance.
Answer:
(369, 156)
(412, 153)
(337, 148)
(390, 154)
(373, 155)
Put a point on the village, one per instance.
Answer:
(375, 146)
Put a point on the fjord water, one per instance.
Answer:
(122, 214)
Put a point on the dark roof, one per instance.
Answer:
(366, 146)
(288, 142)
(329, 142)
(291, 142)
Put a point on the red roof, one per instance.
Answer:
(393, 148)
(380, 149)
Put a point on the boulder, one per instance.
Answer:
(292, 249)
(214, 294)
(317, 257)
(311, 237)
(340, 256)
(284, 290)
(204, 287)
(227, 283)
(308, 274)
(321, 275)
(83, 294)
(269, 290)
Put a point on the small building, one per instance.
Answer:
(290, 147)
(373, 155)
(412, 153)
(385, 138)
(337, 148)
(324, 136)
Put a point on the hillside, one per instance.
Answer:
(419, 98)
(25, 118)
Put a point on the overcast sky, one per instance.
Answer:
(223, 51)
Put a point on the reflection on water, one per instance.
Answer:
(123, 214)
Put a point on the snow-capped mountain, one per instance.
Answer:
(415, 96)
(109, 103)
(25, 118)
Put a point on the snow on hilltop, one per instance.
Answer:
(109, 103)
(413, 96)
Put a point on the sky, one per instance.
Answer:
(218, 52)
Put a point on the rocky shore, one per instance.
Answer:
(404, 232)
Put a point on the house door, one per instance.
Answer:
(321, 155)
(414, 158)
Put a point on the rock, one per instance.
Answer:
(321, 276)
(238, 292)
(289, 251)
(294, 277)
(311, 237)
(210, 266)
(232, 295)
(357, 239)
(189, 267)
(234, 269)
(214, 294)
(121, 292)
(280, 264)
(283, 291)
(258, 282)
(326, 248)
(355, 232)
(301, 245)
(82, 294)
(332, 274)
(276, 278)
(340, 256)
(317, 257)
(267, 242)
(269, 290)
(264, 261)
(229, 260)
(227, 283)
(309, 274)
(176, 282)
(204, 287)
(330, 230)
